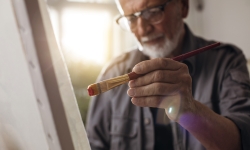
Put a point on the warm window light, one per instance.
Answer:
(85, 34)
(92, 1)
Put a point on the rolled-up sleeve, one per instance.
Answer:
(235, 97)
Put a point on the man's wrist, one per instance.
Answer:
(178, 108)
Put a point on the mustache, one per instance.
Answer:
(151, 37)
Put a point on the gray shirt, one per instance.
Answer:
(220, 81)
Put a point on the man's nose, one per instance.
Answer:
(143, 27)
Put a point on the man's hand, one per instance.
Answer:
(166, 84)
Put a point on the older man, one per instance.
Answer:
(206, 97)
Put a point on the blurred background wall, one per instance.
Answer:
(89, 38)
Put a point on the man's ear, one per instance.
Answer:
(185, 8)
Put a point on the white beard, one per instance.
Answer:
(160, 50)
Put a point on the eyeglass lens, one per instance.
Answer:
(153, 15)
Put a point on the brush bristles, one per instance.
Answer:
(103, 86)
(93, 90)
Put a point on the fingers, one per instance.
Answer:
(154, 89)
(164, 83)
(164, 76)
(153, 101)
(156, 64)
(157, 101)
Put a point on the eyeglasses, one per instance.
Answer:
(153, 15)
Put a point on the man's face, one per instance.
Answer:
(157, 40)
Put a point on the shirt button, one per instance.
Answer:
(146, 121)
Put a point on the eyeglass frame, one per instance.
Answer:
(140, 13)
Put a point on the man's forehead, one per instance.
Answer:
(132, 6)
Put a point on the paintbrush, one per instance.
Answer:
(103, 86)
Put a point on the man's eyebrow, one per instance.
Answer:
(156, 5)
